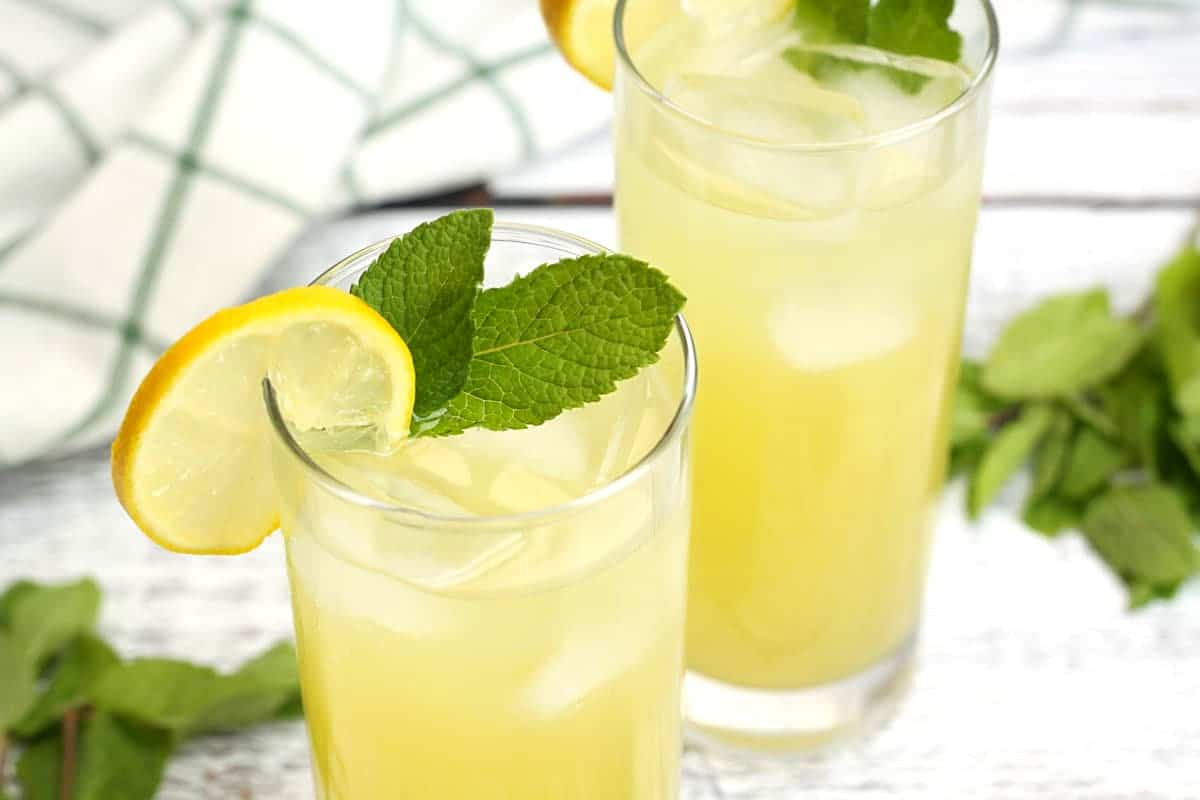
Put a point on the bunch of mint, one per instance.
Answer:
(84, 724)
(906, 27)
(521, 354)
(1107, 409)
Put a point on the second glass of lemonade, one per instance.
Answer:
(497, 615)
(822, 230)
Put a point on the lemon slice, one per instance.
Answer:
(191, 463)
(582, 29)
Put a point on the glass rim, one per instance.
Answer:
(875, 140)
(518, 234)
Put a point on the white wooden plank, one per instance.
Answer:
(1102, 102)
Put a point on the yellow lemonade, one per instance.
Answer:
(497, 656)
(826, 284)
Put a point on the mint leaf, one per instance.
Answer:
(1092, 416)
(44, 618)
(120, 759)
(190, 699)
(1177, 302)
(1005, 455)
(161, 692)
(973, 406)
(18, 681)
(1051, 515)
(1144, 533)
(1136, 401)
(906, 27)
(265, 688)
(424, 284)
(833, 20)
(915, 28)
(79, 667)
(1092, 461)
(1062, 346)
(558, 338)
(39, 768)
(1052, 455)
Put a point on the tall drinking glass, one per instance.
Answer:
(497, 615)
(822, 230)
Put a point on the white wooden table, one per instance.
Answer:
(1034, 683)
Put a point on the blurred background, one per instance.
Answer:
(163, 158)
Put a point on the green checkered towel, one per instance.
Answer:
(156, 156)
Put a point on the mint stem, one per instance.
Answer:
(70, 729)
(3, 758)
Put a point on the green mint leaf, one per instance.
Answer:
(1136, 401)
(162, 692)
(424, 284)
(1143, 594)
(44, 618)
(1143, 533)
(190, 699)
(833, 20)
(965, 457)
(1059, 348)
(973, 406)
(1051, 515)
(1185, 434)
(14, 592)
(907, 27)
(18, 680)
(1052, 456)
(1093, 460)
(1092, 416)
(1177, 303)
(120, 759)
(264, 689)
(79, 667)
(915, 28)
(558, 338)
(1005, 455)
(39, 768)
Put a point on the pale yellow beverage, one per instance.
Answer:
(822, 231)
(498, 615)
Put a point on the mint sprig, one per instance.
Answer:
(560, 337)
(1105, 408)
(424, 285)
(905, 27)
(81, 723)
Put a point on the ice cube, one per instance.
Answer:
(824, 328)
(774, 103)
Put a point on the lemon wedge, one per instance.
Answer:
(191, 462)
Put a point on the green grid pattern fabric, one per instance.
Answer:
(171, 149)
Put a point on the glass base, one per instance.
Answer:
(773, 722)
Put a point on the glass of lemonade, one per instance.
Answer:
(822, 230)
(497, 615)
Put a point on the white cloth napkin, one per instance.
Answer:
(155, 157)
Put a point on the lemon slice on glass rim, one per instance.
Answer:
(191, 462)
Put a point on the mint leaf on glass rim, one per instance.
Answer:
(424, 285)
(905, 27)
(558, 338)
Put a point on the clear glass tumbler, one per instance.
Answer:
(497, 615)
(825, 256)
